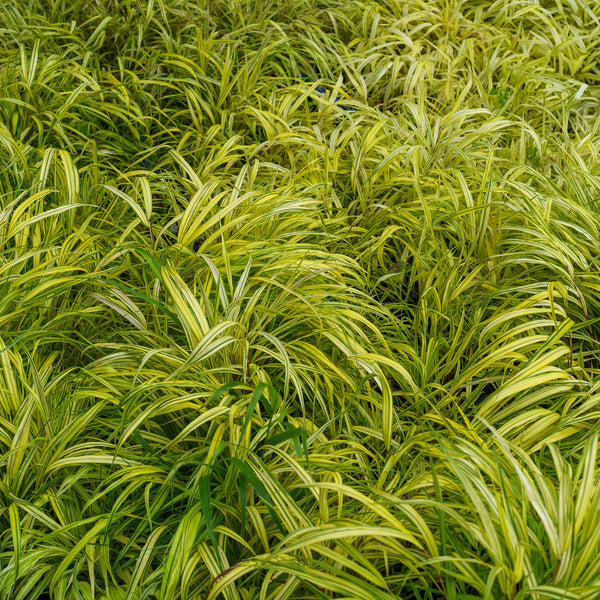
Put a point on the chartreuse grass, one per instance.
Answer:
(299, 300)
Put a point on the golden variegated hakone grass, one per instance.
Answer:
(299, 300)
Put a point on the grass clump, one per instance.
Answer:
(299, 300)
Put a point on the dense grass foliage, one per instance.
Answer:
(299, 299)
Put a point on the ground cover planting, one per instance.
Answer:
(299, 299)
